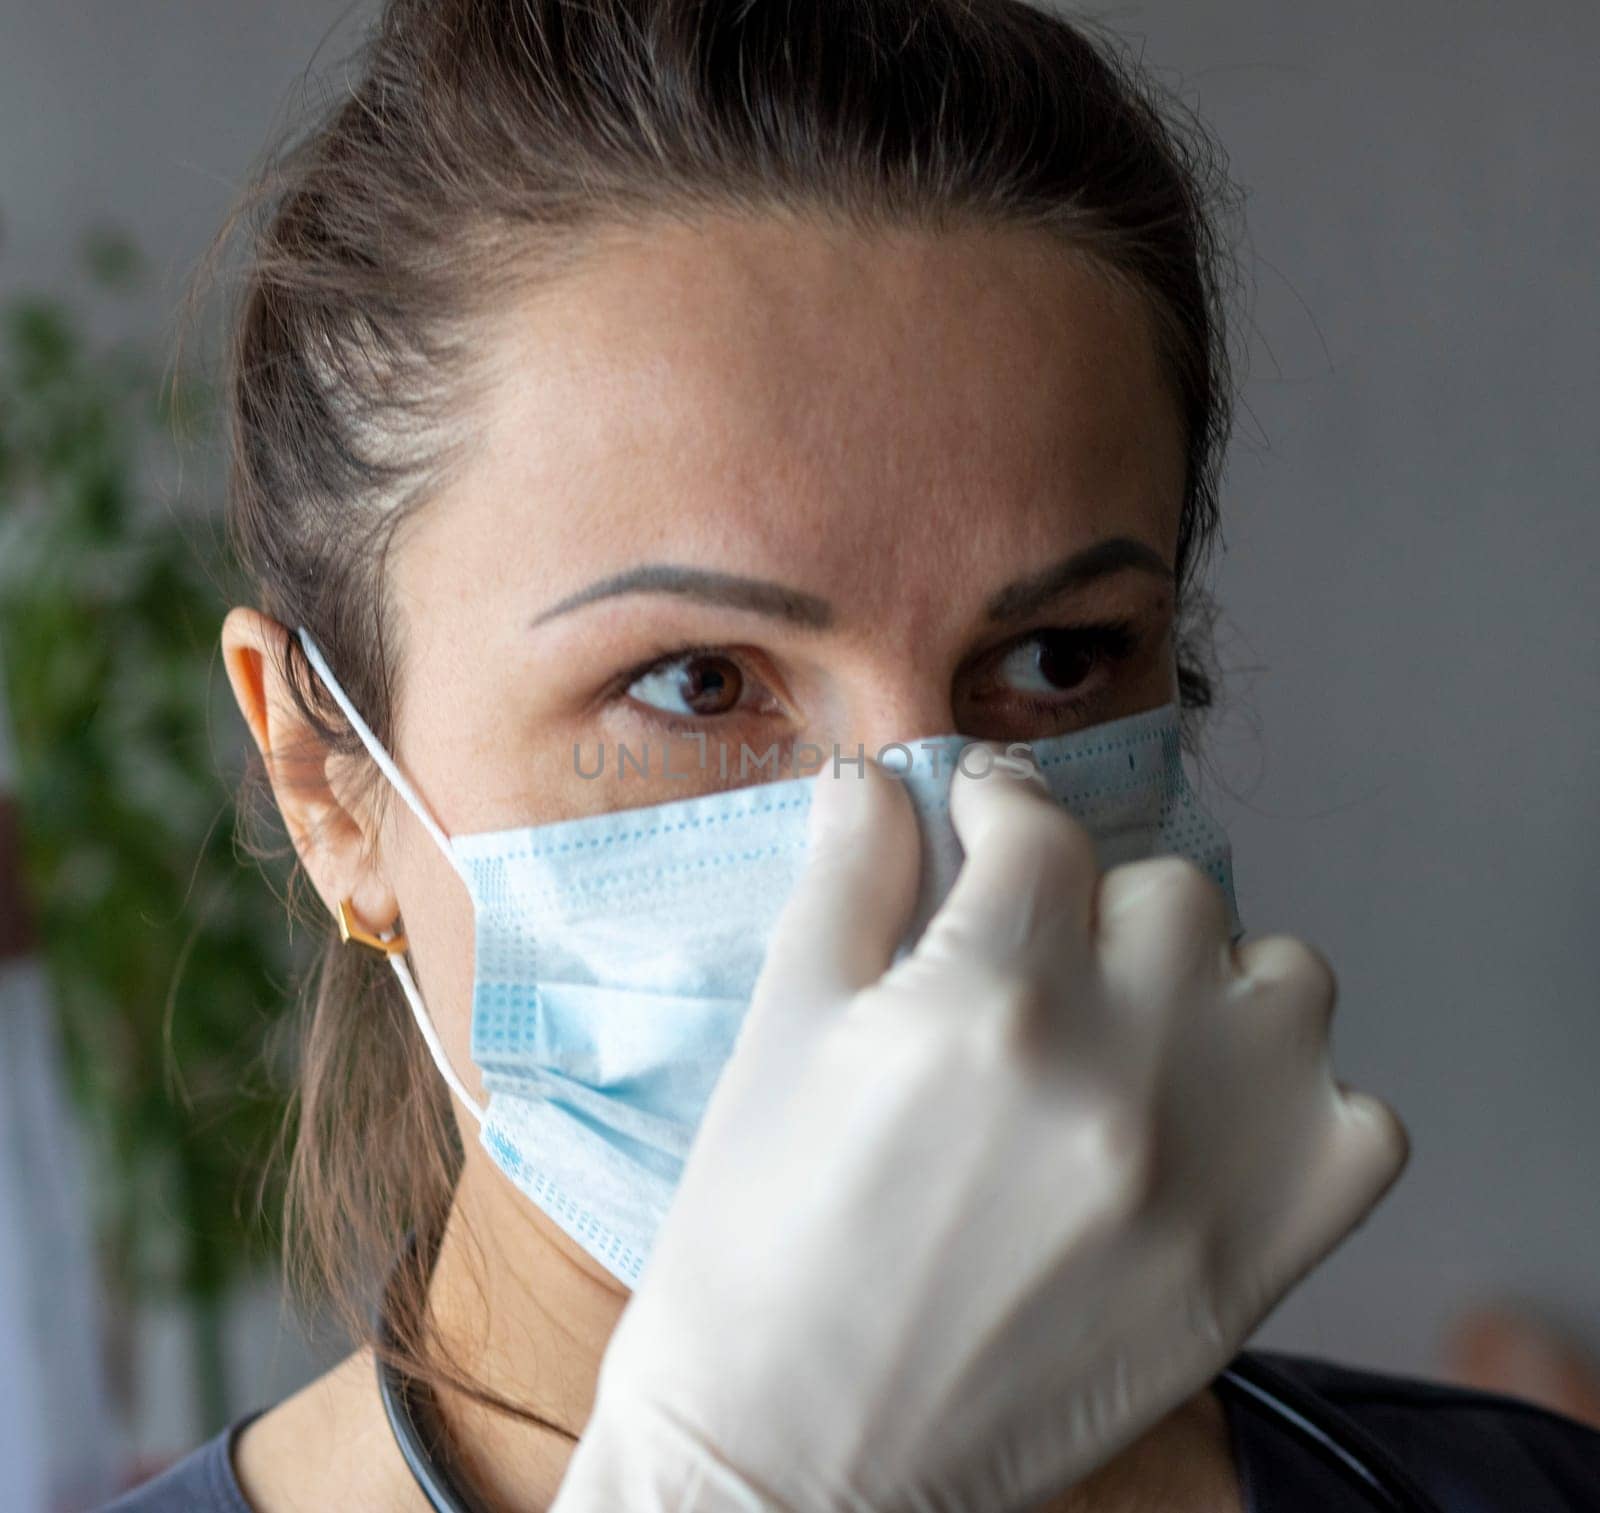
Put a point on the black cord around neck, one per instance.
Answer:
(414, 1415)
(414, 1420)
(1334, 1436)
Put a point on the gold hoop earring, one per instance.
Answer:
(350, 931)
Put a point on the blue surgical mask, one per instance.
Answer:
(615, 956)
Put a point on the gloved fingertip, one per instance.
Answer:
(1017, 760)
(838, 800)
(998, 775)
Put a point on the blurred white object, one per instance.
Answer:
(21, 1461)
(58, 1442)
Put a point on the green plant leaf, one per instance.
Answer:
(166, 960)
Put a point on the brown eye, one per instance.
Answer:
(1059, 661)
(700, 685)
(1063, 662)
(1048, 663)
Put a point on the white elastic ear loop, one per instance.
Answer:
(385, 762)
(408, 986)
(391, 770)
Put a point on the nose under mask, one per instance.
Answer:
(615, 955)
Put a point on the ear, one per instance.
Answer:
(332, 838)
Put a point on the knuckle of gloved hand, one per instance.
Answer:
(1117, 1156)
(951, 937)
(1163, 892)
(1056, 843)
(1288, 959)
(1375, 1134)
(881, 1013)
(910, 1031)
(1005, 1008)
(1298, 977)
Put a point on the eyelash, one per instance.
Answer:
(1106, 641)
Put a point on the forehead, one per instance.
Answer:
(767, 395)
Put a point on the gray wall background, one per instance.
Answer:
(1405, 759)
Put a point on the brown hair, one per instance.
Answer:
(479, 144)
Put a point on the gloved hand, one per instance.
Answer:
(956, 1231)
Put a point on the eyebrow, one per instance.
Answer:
(729, 590)
(1016, 601)
(726, 589)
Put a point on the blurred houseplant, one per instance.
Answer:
(165, 965)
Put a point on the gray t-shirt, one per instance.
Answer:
(1473, 1452)
(203, 1482)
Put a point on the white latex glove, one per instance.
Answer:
(954, 1233)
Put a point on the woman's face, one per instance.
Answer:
(767, 485)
